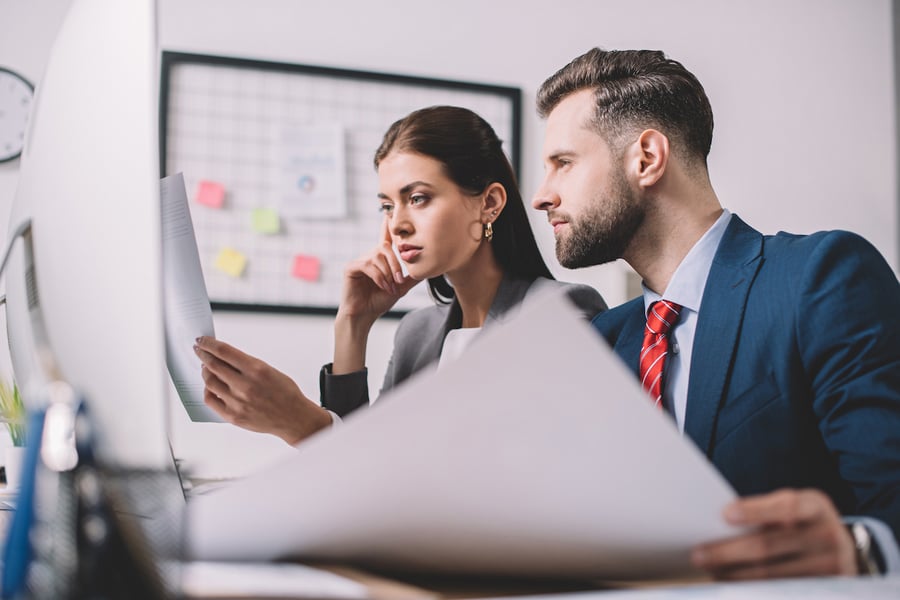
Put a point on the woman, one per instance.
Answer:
(455, 216)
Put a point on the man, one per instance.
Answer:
(777, 355)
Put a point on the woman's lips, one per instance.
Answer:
(409, 253)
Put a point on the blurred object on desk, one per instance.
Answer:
(13, 457)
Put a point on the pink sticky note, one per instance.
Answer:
(306, 267)
(210, 193)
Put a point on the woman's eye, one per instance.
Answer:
(386, 208)
(417, 199)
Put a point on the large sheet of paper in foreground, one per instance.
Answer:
(535, 454)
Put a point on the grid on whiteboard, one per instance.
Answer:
(220, 122)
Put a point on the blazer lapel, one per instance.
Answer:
(431, 349)
(509, 293)
(718, 326)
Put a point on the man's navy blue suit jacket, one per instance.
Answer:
(795, 375)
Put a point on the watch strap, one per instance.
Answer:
(868, 557)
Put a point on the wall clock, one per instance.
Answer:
(16, 94)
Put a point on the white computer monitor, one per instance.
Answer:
(89, 183)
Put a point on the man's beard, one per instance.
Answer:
(604, 231)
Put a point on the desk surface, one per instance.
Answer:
(399, 587)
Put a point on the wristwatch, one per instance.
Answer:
(866, 550)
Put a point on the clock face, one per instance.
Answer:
(15, 104)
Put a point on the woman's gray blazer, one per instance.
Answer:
(420, 338)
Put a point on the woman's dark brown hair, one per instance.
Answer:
(473, 158)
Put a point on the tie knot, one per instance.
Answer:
(662, 316)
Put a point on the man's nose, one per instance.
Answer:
(545, 197)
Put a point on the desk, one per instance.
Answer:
(410, 587)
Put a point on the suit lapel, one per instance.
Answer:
(631, 339)
(718, 326)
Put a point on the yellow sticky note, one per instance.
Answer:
(266, 220)
(231, 262)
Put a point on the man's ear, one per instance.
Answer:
(649, 157)
(494, 200)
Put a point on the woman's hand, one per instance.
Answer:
(373, 283)
(253, 395)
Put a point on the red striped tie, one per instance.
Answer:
(660, 319)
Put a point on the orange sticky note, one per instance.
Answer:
(306, 267)
(231, 262)
(210, 193)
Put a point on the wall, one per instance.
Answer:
(25, 38)
(802, 92)
(896, 29)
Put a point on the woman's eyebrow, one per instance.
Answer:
(410, 186)
(406, 189)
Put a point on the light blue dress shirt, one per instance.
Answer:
(686, 288)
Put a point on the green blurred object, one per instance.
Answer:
(12, 412)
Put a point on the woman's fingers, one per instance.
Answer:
(223, 370)
(216, 403)
(381, 266)
(224, 351)
(215, 385)
(387, 250)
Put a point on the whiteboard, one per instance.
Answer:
(277, 162)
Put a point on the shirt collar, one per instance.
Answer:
(689, 280)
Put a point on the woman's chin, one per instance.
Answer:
(420, 274)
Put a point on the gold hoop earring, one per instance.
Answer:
(488, 231)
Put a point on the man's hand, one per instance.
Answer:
(795, 533)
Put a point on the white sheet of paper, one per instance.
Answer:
(311, 180)
(535, 453)
(186, 303)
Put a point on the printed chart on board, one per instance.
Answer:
(277, 162)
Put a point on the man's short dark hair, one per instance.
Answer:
(635, 90)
